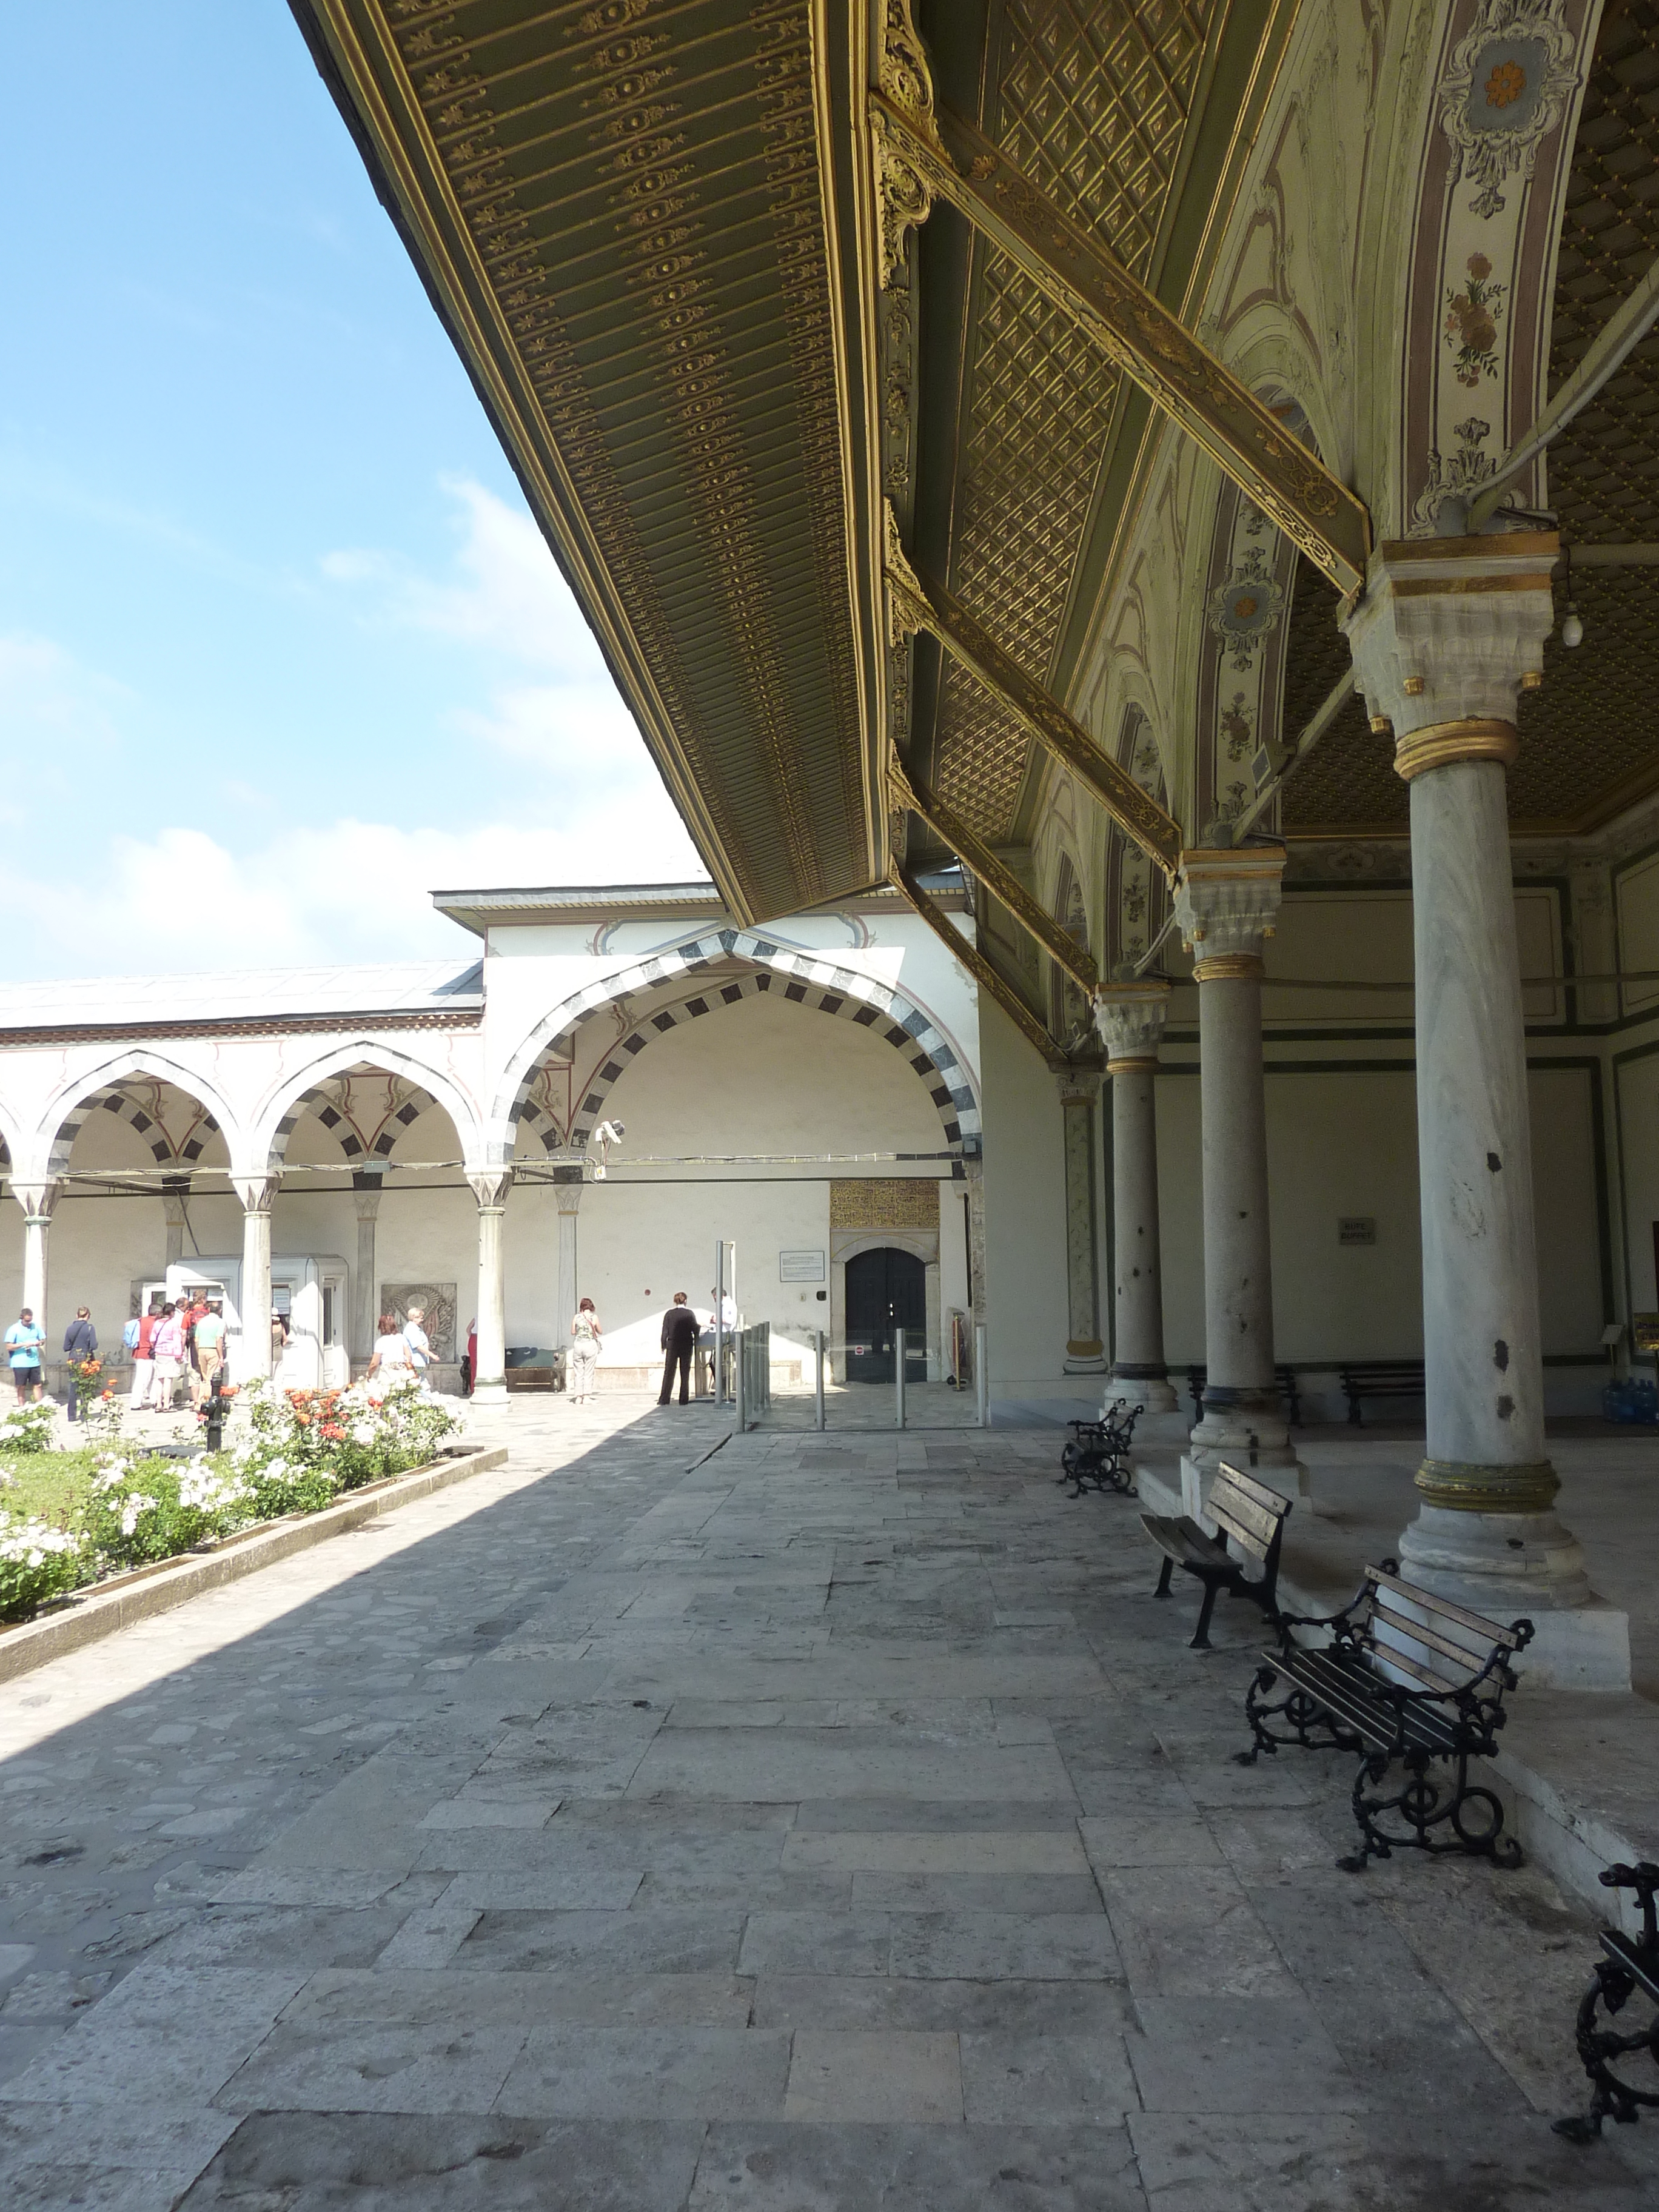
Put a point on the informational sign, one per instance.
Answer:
(1645, 1332)
(1356, 1229)
(800, 1266)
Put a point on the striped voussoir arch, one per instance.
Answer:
(145, 1120)
(338, 1106)
(806, 979)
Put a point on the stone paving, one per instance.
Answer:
(829, 1823)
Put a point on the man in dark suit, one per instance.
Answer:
(680, 1341)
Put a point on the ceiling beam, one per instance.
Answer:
(924, 155)
(964, 950)
(918, 603)
(999, 879)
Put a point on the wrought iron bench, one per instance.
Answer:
(1289, 1389)
(1096, 1456)
(1378, 1378)
(1407, 1678)
(1246, 1512)
(1631, 1964)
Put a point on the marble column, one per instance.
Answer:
(489, 1188)
(368, 1187)
(1080, 1089)
(1448, 634)
(37, 1201)
(175, 1193)
(973, 1176)
(257, 1194)
(568, 1196)
(1226, 905)
(1130, 1017)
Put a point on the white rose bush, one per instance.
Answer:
(298, 1452)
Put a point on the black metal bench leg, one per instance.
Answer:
(1201, 1637)
(1163, 1590)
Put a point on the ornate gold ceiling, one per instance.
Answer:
(1091, 98)
(616, 206)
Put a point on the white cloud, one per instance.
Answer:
(507, 595)
(345, 891)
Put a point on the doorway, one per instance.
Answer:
(886, 1289)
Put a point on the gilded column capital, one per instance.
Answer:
(1129, 1019)
(1448, 633)
(1226, 901)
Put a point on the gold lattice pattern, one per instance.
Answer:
(1092, 104)
(884, 1202)
(1604, 468)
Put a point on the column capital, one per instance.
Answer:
(37, 1199)
(1129, 1018)
(1448, 634)
(490, 1187)
(1226, 901)
(1079, 1085)
(257, 1193)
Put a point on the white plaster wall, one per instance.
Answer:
(1345, 1143)
(1024, 1220)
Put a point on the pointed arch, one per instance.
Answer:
(668, 978)
(102, 1088)
(307, 1089)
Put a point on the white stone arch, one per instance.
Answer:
(66, 1113)
(282, 1109)
(815, 979)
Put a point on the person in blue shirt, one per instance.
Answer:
(25, 1341)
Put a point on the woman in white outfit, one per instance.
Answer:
(393, 1361)
(586, 1338)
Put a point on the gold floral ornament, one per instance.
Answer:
(1505, 85)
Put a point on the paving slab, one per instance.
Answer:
(832, 1824)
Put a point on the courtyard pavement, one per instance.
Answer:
(785, 1823)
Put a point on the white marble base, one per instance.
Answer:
(1511, 1566)
(1586, 1647)
(1151, 1392)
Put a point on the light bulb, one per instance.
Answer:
(1572, 630)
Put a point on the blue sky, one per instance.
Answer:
(280, 645)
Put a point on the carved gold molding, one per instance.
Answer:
(1228, 968)
(1134, 328)
(960, 948)
(1442, 743)
(1002, 883)
(1463, 1486)
(914, 604)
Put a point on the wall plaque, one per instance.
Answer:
(800, 1266)
(884, 1202)
(1356, 1229)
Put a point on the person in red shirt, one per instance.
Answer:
(143, 1360)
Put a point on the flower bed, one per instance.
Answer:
(104, 1511)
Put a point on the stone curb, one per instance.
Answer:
(110, 1606)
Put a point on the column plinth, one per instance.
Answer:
(1130, 1019)
(1445, 635)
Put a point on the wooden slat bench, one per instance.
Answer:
(1248, 1514)
(1289, 1389)
(1631, 1963)
(1407, 1678)
(1097, 1454)
(1378, 1378)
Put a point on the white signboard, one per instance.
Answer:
(800, 1266)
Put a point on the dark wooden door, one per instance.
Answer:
(886, 1290)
